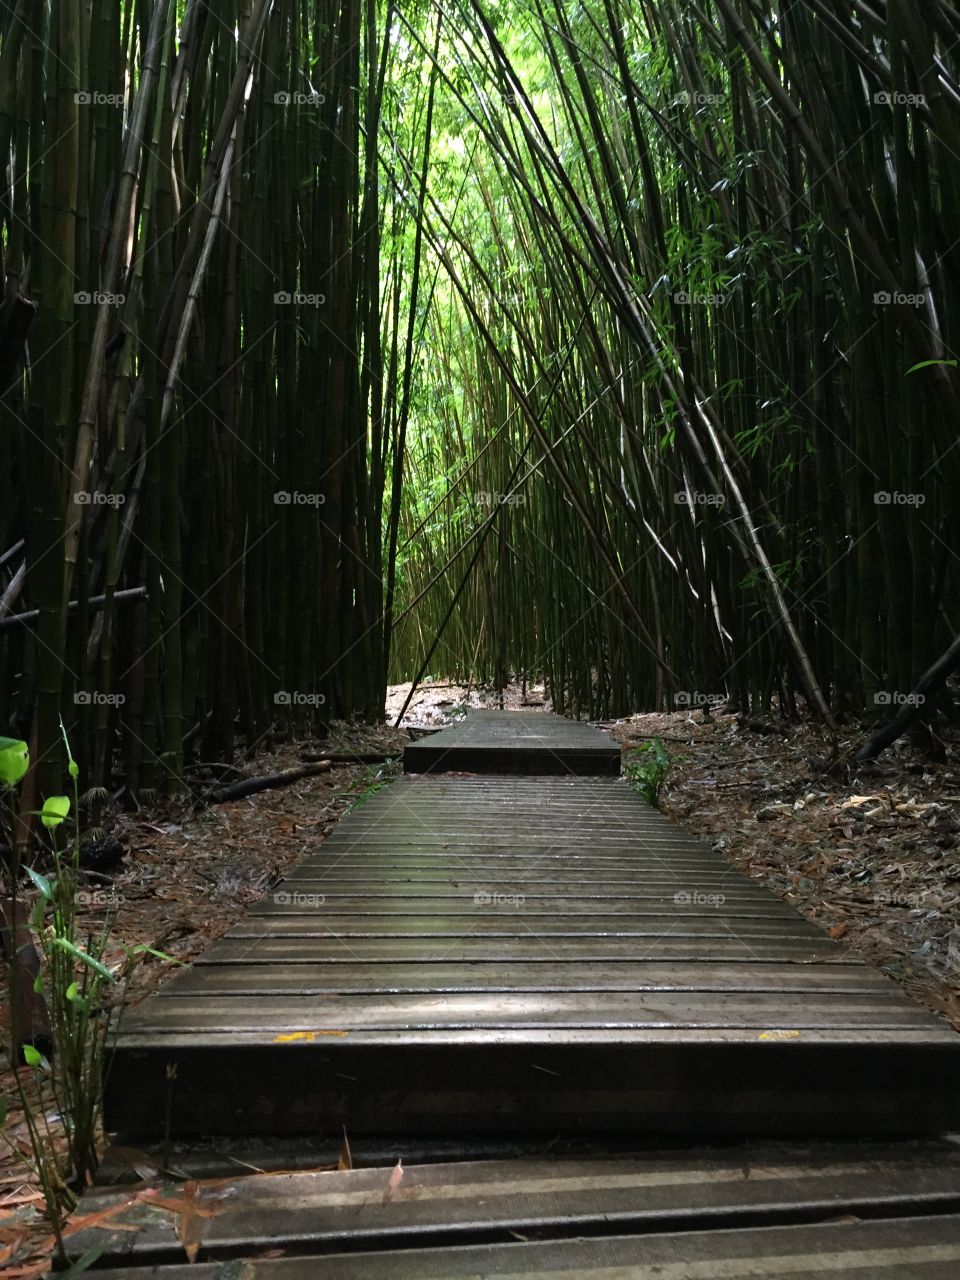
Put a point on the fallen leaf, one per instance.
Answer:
(141, 1164)
(856, 801)
(395, 1179)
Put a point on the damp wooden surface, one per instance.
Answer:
(506, 963)
(914, 1248)
(515, 742)
(513, 953)
(438, 1216)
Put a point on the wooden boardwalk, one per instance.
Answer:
(515, 742)
(472, 960)
(504, 953)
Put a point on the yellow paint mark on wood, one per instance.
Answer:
(304, 1037)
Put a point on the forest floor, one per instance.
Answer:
(872, 855)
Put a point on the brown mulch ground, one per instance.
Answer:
(872, 855)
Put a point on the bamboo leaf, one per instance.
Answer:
(84, 956)
(14, 760)
(927, 364)
(55, 809)
(43, 884)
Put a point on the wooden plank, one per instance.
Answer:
(445, 1203)
(636, 1011)
(892, 1249)
(329, 949)
(757, 1038)
(545, 861)
(534, 887)
(472, 903)
(503, 924)
(391, 875)
(373, 977)
(549, 851)
(734, 1081)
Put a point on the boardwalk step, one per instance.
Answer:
(514, 742)
(738, 1211)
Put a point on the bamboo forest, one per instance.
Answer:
(372, 367)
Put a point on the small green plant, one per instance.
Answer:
(73, 981)
(646, 770)
(373, 779)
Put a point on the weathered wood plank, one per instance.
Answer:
(635, 1011)
(500, 925)
(449, 1203)
(912, 1248)
(330, 949)
(357, 878)
(472, 903)
(225, 978)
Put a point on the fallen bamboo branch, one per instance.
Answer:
(350, 757)
(933, 679)
(250, 786)
(95, 602)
